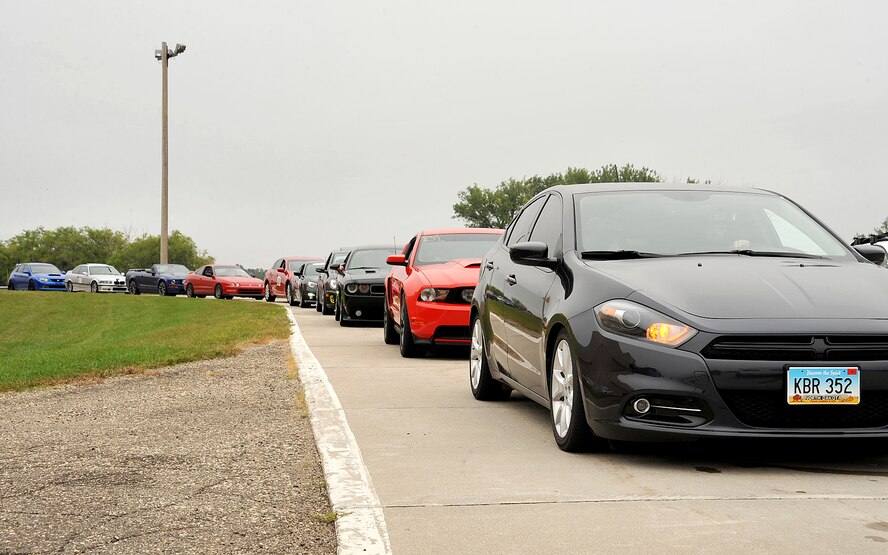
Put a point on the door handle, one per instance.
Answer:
(511, 280)
(489, 265)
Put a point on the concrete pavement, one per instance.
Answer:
(455, 475)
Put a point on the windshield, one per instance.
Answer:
(437, 249)
(312, 269)
(44, 269)
(686, 222)
(103, 271)
(231, 271)
(174, 269)
(370, 258)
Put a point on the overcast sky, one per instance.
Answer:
(298, 127)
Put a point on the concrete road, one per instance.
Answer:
(455, 475)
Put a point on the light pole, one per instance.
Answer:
(164, 56)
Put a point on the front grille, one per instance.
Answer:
(799, 348)
(243, 291)
(769, 409)
(377, 289)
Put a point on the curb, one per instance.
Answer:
(361, 528)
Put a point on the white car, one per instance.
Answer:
(98, 278)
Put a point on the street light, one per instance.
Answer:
(164, 54)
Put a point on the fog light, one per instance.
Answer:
(358, 313)
(641, 405)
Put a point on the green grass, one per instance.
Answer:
(56, 337)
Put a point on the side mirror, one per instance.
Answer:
(281, 270)
(27, 272)
(396, 260)
(532, 253)
(873, 253)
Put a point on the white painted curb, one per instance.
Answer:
(362, 528)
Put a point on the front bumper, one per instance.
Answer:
(440, 323)
(115, 288)
(175, 288)
(700, 397)
(252, 292)
(366, 308)
(49, 286)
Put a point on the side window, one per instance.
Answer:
(521, 227)
(86, 270)
(548, 226)
(17, 269)
(282, 264)
(208, 271)
(408, 250)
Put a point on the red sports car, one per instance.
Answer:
(428, 293)
(279, 278)
(223, 282)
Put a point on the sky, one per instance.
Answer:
(299, 127)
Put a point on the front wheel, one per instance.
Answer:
(94, 287)
(389, 333)
(70, 287)
(407, 344)
(189, 291)
(134, 288)
(569, 424)
(218, 292)
(268, 296)
(484, 387)
(337, 312)
(162, 289)
(31, 286)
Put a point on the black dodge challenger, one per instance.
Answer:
(362, 284)
(650, 311)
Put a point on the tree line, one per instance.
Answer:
(69, 246)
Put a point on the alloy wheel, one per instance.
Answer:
(562, 386)
(162, 289)
(476, 353)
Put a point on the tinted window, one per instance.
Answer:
(548, 227)
(521, 227)
(208, 271)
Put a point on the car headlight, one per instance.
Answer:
(430, 294)
(467, 294)
(364, 288)
(44, 280)
(351, 288)
(333, 284)
(237, 284)
(640, 322)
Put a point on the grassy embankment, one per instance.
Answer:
(50, 338)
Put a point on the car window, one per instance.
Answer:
(548, 226)
(282, 264)
(208, 272)
(408, 248)
(17, 269)
(521, 227)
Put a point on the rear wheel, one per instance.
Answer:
(268, 296)
(10, 286)
(484, 387)
(407, 344)
(218, 292)
(134, 287)
(389, 333)
(572, 432)
(162, 288)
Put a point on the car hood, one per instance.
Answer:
(456, 273)
(47, 275)
(758, 288)
(244, 281)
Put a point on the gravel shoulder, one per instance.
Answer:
(214, 456)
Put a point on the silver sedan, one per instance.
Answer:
(98, 278)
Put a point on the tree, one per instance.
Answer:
(482, 207)
(144, 251)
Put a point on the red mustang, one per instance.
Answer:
(223, 282)
(279, 278)
(428, 293)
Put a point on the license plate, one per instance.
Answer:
(823, 386)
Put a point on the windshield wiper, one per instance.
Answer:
(750, 252)
(617, 255)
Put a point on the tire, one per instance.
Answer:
(337, 311)
(189, 291)
(291, 299)
(268, 296)
(134, 288)
(94, 287)
(407, 344)
(162, 288)
(569, 426)
(389, 333)
(69, 286)
(324, 310)
(10, 286)
(484, 387)
(31, 286)
(320, 303)
(218, 292)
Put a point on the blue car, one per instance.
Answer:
(37, 276)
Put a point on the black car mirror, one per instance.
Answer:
(532, 253)
(873, 253)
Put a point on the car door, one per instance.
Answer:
(207, 281)
(146, 281)
(496, 297)
(527, 294)
(279, 284)
(397, 277)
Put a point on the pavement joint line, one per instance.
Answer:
(665, 499)
(361, 526)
